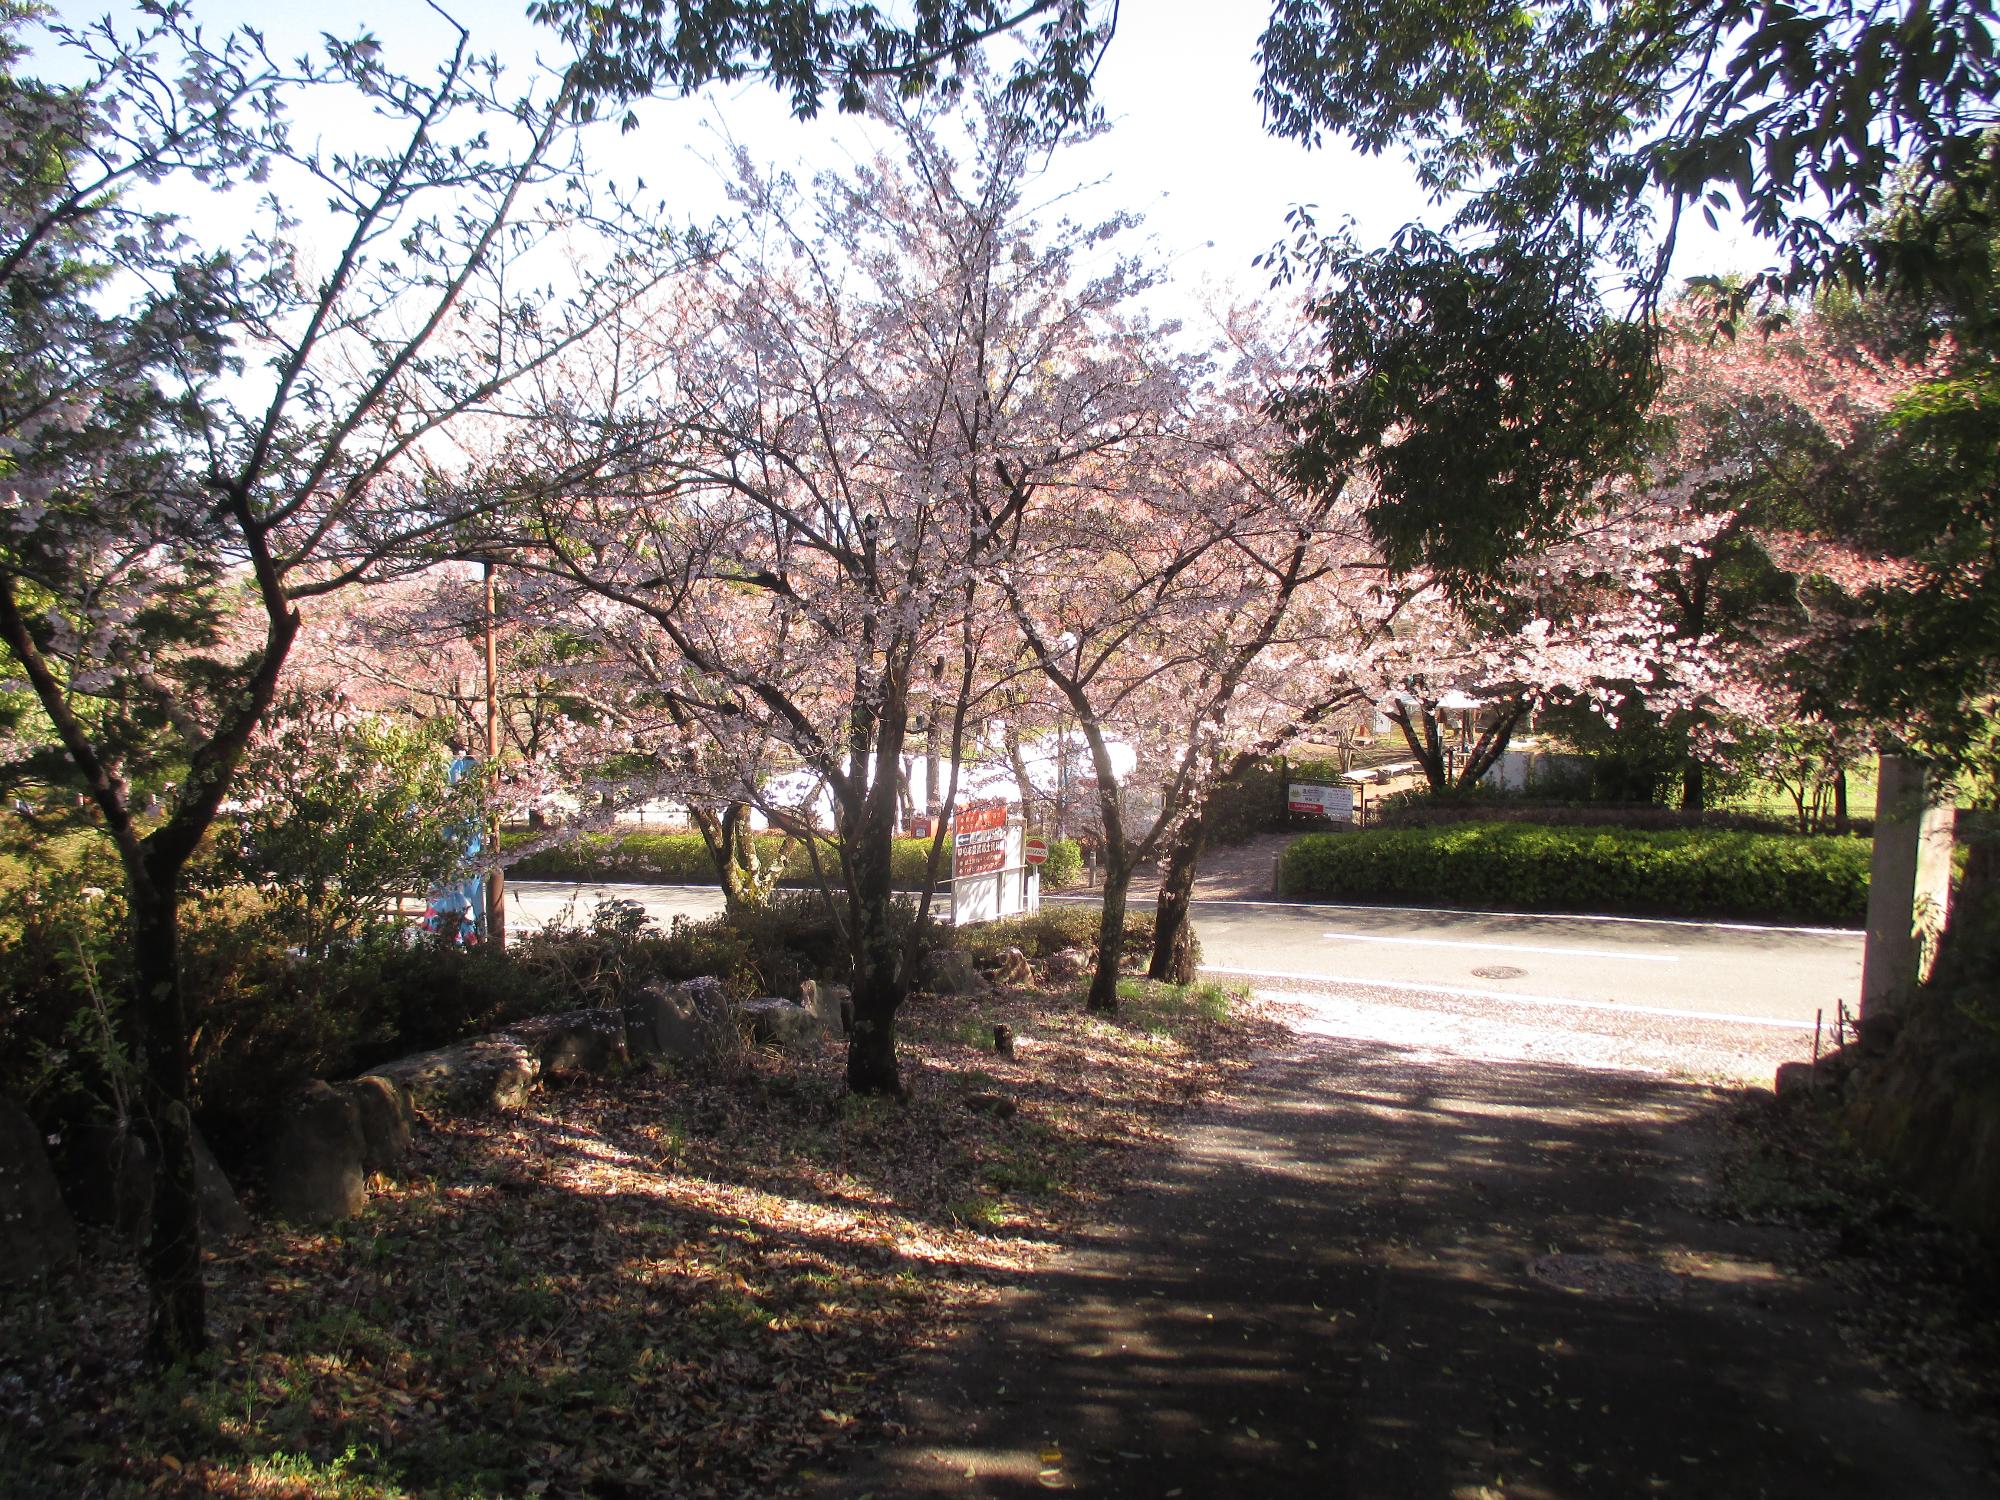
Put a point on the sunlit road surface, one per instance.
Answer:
(1773, 977)
(1761, 975)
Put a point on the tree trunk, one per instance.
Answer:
(176, 1328)
(1694, 787)
(1492, 744)
(868, 832)
(1103, 997)
(1018, 764)
(879, 987)
(1429, 751)
(1173, 931)
(1840, 821)
(720, 837)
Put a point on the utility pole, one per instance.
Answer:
(496, 879)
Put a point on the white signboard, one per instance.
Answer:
(1332, 802)
(990, 875)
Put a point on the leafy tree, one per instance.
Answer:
(339, 812)
(866, 400)
(1479, 367)
(189, 425)
(1569, 125)
(809, 48)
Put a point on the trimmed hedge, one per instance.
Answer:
(682, 859)
(1522, 867)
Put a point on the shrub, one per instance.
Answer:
(1523, 867)
(1064, 866)
(1050, 930)
(63, 977)
(335, 814)
(682, 859)
(1421, 808)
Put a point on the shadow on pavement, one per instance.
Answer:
(1341, 1286)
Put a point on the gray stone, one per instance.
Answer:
(681, 1021)
(950, 971)
(1068, 963)
(832, 1003)
(314, 1172)
(488, 1072)
(107, 1172)
(1795, 1078)
(578, 1044)
(708, 995)
(779, 1023)
(107, 1177)
(222, 1215)
(1012, 967)
(37, 1236)
(387, 1119)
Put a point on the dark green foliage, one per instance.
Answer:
(1522, 867)
(1509, 393)
(1246, 804)
(808, 50)
(1566, 119)
(266, 1021)
(1422, 809)
(1064, 866)
(1922, 654)
(63, 972)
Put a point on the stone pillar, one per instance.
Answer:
(1909, 883)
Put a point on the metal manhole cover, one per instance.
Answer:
(1606, 1276)
(1498, 971)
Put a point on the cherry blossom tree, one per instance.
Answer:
(203, 437)
(1764, 432)
(1179, 598)
(860, 406)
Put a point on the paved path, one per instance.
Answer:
(1764, 975)
(1723, 970)
(1338, 1288)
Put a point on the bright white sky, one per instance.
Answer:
(1186, 149)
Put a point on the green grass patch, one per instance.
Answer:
(1157, 1007)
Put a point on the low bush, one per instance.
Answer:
(1050, 930)
(656, 858)
(1524, 867)
(1064, 866)
(682, 859)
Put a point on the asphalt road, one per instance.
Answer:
(1772, 977)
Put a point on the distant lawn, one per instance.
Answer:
(1769, 800)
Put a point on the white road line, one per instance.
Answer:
(1458, 992)
(1637, 958)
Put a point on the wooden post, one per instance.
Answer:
(1909, 883)
(496, 878)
